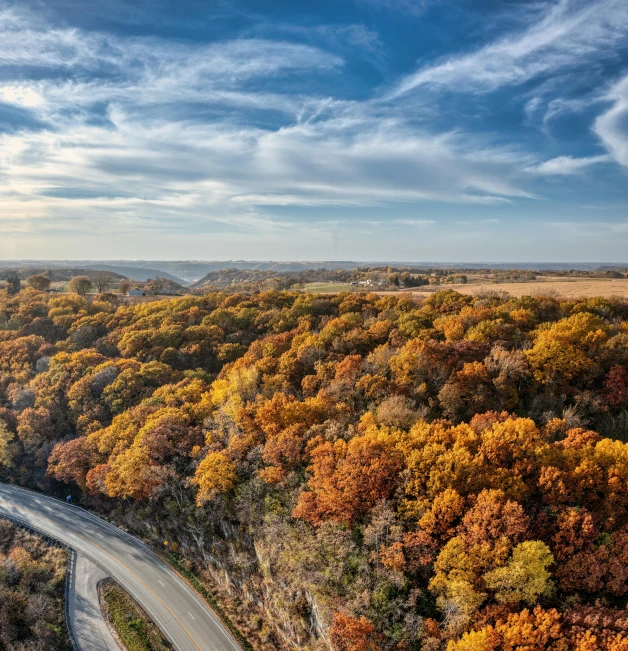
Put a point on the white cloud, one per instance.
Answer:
(570, 32)
(612, 126)
(566, 165)
(162, 138)
(87, 68)
(20, 95)
(26, 43)
(144, 175)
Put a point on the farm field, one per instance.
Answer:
(329, 288)
(563, 288)
(566, 288)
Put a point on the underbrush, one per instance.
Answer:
(32, 581)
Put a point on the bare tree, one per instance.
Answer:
(80, 285)
(124, 286)
(102, 280)
(157, 285)
(38, 282)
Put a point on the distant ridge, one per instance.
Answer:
(189, 271)
(130, 270)
(140, 274)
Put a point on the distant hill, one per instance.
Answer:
(185, 272)
(162, 285)
(262, 279)
(193, 270)
(198, 269)
(56, 274)
(62, 271)
(140, 274)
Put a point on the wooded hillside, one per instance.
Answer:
(364, 472)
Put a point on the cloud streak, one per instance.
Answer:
(567, 165)
(612, 125)
(569, 33)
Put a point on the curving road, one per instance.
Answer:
(183, 617)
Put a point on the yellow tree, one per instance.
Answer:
(215, 474)
(525, 577)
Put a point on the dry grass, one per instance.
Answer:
(133, 626)
(32, 582)
(565, 288)
(329, 288)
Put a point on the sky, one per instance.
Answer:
(441, 130)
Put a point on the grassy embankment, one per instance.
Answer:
(133, 626)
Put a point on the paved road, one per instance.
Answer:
(90, 629)
(183, 617)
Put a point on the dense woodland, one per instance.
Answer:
(32, 580)
(364, 472)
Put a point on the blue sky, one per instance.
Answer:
(461, 130)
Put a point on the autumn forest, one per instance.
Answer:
(361, 472)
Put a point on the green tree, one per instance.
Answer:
(13, 283)
(38, 282)
(80, 285)
(525, 577)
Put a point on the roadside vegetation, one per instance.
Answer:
(356, 471)
(32, 583)
(134, 628)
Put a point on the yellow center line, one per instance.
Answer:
(87, 540)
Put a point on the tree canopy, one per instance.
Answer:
(364, 471)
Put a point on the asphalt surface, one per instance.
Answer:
(88, 624)
(183, 617)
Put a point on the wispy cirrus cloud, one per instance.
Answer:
(568, 33)
(28, 43)
(612, 125)
(56, 70)
(164, 131)
(207, 173)
(567, 165)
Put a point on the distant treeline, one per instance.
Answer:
(54, 275)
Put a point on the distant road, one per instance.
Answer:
(183, 617)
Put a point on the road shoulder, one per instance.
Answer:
(88, 624)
